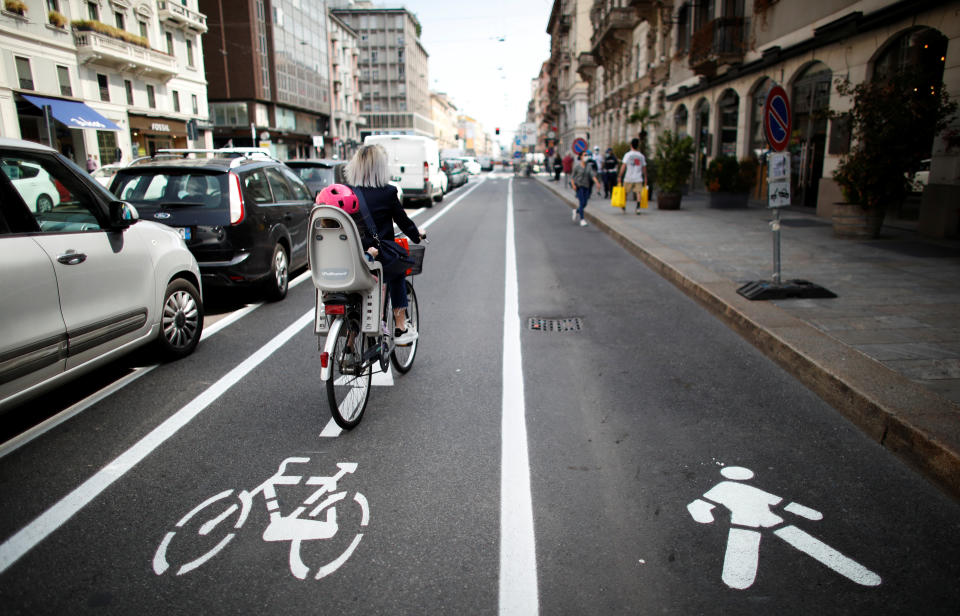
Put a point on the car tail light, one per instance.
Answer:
(426, 172)
(236, 199)
(334, 309)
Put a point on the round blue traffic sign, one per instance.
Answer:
(517, 154)
(776, 118)
(579, 145)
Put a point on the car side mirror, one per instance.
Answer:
(122, 214)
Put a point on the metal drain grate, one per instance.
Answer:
(540, 324)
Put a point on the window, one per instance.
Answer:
(104, 87)
(63, 77)
(57, 199)
(24, 74)
(255, 186)
(281, 192)
(176, 100)
(151, 97)
(93, 10)
(121, 22)
(194, 104)
(53, 5)
(300, 191)
(143, 31)
(189, 52)
(169, 38)
(128, 88)
(107, 146)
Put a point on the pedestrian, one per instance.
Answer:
(567, 165)
(557, 168)
(580, 181)
(633, 171)
(610, 165)
(91, 163)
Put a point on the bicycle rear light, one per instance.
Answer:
(334, 309)
(324, 359)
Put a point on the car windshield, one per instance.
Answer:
(181, 187)
(312, 174)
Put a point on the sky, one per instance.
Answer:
(487, 78)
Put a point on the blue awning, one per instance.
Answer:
(72, 113)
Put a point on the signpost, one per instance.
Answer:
(579, 145)
(777, 126)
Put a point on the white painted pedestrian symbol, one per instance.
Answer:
(750, 508)
(215, 530)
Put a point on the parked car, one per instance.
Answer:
(33, 183)
(105, 174)
(486, 163)
(921, 177)
(473, 167)
(84, 281)
(317, 173)
(244, 217)
(456, 173)
(415, 163)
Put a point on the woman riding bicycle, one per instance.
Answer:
(367, 173)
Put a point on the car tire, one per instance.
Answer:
(279, 279)
(438, 198)
(44, 204)
(181, 320)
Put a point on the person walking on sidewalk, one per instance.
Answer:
(582, 176)
(567, 165)
(610, 165)
(557, 167)
(633, 171)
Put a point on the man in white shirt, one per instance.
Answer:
(633, 171)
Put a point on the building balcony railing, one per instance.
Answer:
(722, 41)
(181, 15)
(586, 66)
(612, 29)
(98, 48)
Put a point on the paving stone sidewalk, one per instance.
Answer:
(885, 352)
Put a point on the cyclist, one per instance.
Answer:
(367, 173)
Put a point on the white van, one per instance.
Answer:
(415, 162)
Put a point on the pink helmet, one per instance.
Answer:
(339, 195)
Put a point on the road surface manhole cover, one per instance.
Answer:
(540, 324)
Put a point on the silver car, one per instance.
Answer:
(83, 281)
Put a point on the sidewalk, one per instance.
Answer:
(885, 352)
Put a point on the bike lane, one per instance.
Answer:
(427, 468)
(658, 438)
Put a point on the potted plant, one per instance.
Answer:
(892, 121)
(729, 181)
(673, 161)
(15, 6)
(57, 19)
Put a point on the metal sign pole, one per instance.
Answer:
(48, 117)
(775, 225)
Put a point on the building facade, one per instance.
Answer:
(268, 69)
(570, 30)
(345, 95)
(704, 68)
(119, 78)
(444, 116)
(394, 76)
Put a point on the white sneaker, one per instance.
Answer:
(407, 336)
(583, 223)
(573, 215)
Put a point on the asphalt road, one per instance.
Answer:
(614, 435)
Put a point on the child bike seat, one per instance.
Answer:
(336, 255)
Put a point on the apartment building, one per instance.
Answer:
(444, 116)
(570, 30)
(393, 69)
(268, 68)
(115, 79)
(704, 68)
(345, 97)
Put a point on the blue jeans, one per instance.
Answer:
(583, 195)
(397, 287)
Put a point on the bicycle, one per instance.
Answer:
(354, 314)
(291, 527)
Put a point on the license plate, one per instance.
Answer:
(184, 232)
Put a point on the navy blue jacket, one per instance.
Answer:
(385, 209)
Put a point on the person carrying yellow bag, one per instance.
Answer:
(633, 175)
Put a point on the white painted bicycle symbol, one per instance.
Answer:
(215, 527)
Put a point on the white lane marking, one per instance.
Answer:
(452, 204)
(331, 430)
(228, 320)
(518, 558)
(302, 277)
(53, 518)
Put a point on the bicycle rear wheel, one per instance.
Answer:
(403, 356)
(348, 387)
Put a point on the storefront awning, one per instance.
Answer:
(72, 113)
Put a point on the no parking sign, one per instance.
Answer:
(776, 118)
(579, 145)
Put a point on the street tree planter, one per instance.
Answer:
(729, 181)
(853, 221)
(669, 201)
(673, 161)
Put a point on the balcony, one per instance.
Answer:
(181, 16)
(586, 66)
(722, 41)
(96, 48)
(565, 22)
(613, 31)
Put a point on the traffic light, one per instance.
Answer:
(498, 130)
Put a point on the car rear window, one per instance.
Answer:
(149, 187)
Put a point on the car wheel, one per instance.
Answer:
(181, 320)
(44, 204)
(279, 278)
(438, 198)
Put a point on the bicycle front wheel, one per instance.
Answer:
(403, 356)
(348, 387)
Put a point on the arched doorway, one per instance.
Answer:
(728, 109)
(810, 102)
(758, 139)
(680, 121)
(702, 138)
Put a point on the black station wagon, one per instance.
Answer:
(244, 218)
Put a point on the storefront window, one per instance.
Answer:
(729, 115)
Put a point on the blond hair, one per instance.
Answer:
(368, 167)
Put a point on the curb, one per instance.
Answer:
(919, 426)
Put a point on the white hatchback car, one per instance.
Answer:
(83, 281)
(33, 183)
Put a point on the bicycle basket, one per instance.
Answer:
(416, 252)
